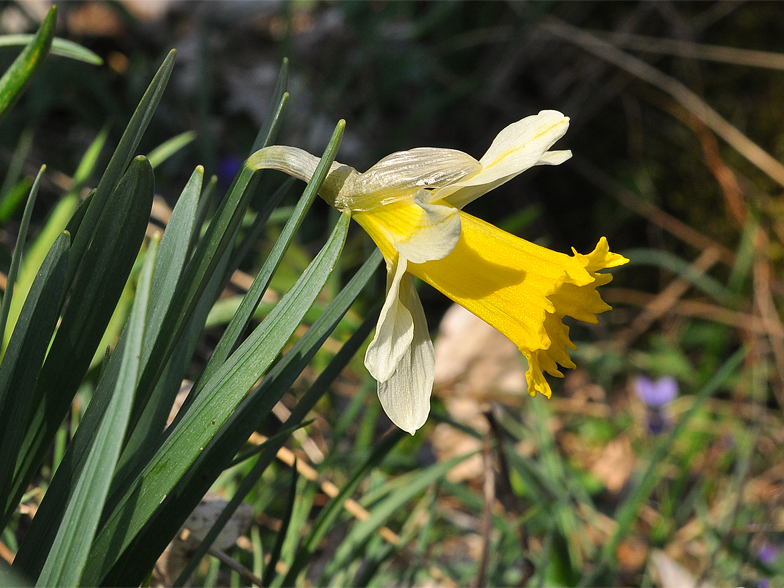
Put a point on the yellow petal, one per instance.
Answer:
(521, 289)
(416, 230)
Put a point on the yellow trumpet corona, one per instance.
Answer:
(410, 203)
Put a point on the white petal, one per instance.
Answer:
(436, 234)
(402, 174)
(554, 157)
(405, 396)
(394, 331)
(518, 147)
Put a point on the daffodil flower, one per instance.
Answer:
(410, 203)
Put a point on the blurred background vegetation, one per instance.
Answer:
(676, 130)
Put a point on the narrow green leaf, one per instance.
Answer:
(16, 258)
(71, 546)
(250, 301)
(40, 535)
(16, 77)
(220, 397)
(60, 47)
(13, 175)
(57, 222)
(107, 265)
(217, 240)
(164, 523)
(329, 515)
(168, 148)
(117, 164)
(269, 130)
(168, 270)
(27, 350)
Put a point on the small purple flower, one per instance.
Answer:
(656, 394)
(767, 554)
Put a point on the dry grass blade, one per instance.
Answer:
(763, 300)
(487, 512)
(665, 300)
(747, 57)
(649, 211)
(689, 308)
(233, 564)
(696, 105)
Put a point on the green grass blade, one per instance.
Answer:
(117, 164)
(245, 419)
(709, 285)
(362, 531)
(207, 415)
(627, 511)
(8, 200)
(71, 546)
(269, 130)
(329, 515)
(16, 258)
(168, 148)
(26, 352)
(106, 268)
(269, 571)
(16, 77)
(60, 47)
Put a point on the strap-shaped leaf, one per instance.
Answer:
(117, 164)
(165, 150)
(271, 446)
(16, 77)
(106, 268)
(63, 566)
(55, 224)
(218, 238)
(60, 47)
(168, 270)
(16, 258)
(207, 415)
(164, 523)
(27, 349)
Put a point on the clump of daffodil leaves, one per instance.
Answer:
(410, 203)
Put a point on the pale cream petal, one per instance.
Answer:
(554, 157)
(436, 233)
(301, 164)
(394, 331)
(401, 175)
(291, 160)
(518, 147)
(405, 396)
